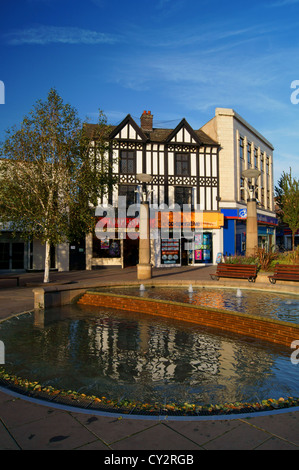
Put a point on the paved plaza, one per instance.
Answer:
(29, 425)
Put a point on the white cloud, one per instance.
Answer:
(43, 35)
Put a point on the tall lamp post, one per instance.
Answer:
(144, 267)
(251, 222)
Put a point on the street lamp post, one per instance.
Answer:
(144, 267)
(251, 221)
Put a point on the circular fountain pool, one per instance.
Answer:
(125, 360)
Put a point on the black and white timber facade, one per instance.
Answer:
(184, 166)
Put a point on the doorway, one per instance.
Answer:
(131, 252)
(77, 259)
(12, 255)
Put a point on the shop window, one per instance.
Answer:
(106, 248)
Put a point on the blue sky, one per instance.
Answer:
(176, 58)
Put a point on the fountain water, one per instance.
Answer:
(190, 289)
(141, 288)
(239, 293)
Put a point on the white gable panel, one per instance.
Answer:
(132, 133)
(187, 136)
(124, 132)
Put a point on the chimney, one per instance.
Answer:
(146, 120)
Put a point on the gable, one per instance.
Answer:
(128, 130)
(183, 133)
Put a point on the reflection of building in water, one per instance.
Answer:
(145, 352)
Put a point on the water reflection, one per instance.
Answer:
(283, 307)
(120, 355)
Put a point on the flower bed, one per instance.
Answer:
(92, 402)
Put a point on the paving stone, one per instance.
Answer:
(203, 431)
(58, 431)
(243, 437)
(157, 437)
(111, 429)
(7, 442)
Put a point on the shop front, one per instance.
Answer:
(195, 242)
(176, 240)
(234, 231)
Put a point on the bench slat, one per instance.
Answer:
(285, 272)
(241, 271)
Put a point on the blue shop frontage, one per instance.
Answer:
(234, 231)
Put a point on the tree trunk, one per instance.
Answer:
(47, 262)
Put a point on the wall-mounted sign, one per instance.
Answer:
(170, 251)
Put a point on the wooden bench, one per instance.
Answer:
(11, 277)
(240, 271)
(285, 272)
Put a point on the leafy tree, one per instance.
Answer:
(287, 198)
(52, 173)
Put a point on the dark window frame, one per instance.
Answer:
(181, 200)
(182, 166)
(127, 158)
(124, 190)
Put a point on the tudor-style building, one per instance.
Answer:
(184, 167)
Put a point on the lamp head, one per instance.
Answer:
(144, 177)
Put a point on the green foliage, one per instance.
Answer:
(239, 259)
(289, 257)
(287, 198)
(50, 173)
(266, 260)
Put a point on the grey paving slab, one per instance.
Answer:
(284, 425)
(274, 443)
(16, 412)
(202, 432)
(158, 437)
(7, 441)
(57, 431)
(111, 429)
(242, 437)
